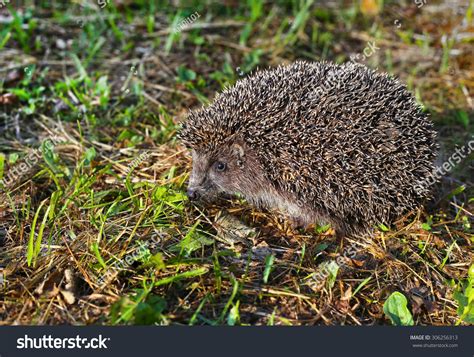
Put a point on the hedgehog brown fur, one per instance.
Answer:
(321, 141)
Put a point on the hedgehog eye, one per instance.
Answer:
(220, 166)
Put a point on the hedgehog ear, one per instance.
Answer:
(239, 152)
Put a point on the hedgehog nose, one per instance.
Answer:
(193, 194)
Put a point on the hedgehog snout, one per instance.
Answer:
(193, 193)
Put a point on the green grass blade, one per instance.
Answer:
(31, 241)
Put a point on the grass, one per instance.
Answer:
(95, 228)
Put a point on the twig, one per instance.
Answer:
(167, 89)
(151, 99)
(198, 25)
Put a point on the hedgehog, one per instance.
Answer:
(322, 143)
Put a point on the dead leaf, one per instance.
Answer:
(8, 98)
(230, 230)
(68, 297)
(69, 278)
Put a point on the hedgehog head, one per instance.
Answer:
(222, 162)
